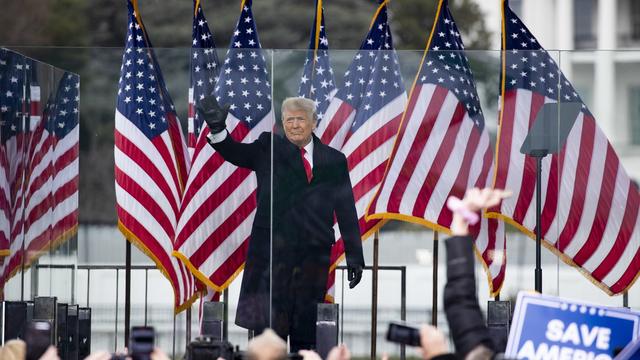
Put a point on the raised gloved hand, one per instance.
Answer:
(213, 114)
(354, 274)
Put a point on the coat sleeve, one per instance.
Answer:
(345, 210)
(240, 154)
(461, 306)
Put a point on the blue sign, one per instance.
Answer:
(552, 328)
(631, 352)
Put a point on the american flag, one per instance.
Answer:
(362, 121)
(204, 71)
(220, 203)
(61, 123)
(38, 176)
(342, 109)
(317, 82)
(15, 107)
(11, 97)
(151, 160)
(442, 147)
(589, 204)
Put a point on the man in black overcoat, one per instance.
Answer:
(302, 185)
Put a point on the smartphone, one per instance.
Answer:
(142, 342)
(403, 334)
(38, 338)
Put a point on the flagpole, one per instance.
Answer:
(26, 129)
(374, 297)
(188, 320)
(24, 180)
(225, 329)
(434, 299)
(538, 271)
(127, 293)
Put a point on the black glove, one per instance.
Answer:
(354, 274)
(214, 115)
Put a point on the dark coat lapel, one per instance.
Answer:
(319, 158)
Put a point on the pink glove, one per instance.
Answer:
(457, 206)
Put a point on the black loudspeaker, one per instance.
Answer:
(326, 329)
(61, 331)
(212, 320)
(72, 332)
(205, 348)
(45, 309)
(84, 332)
(499, 322)
(15, 319)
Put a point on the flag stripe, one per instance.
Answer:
(568, 170)
(440, 160)
(460, 183)
(223, 255)
(627, 268)
(136, 176)
(336, 130)
(369, 139)
(602, 214)
(580, 186)
(372, 160)
(551, 200)
(143, 196)
(233, 262)
(155, 248)
(624, 235)
(528, 182)
(137, 157)
(224, 230)
(430, 135)
(505, 132)
(369, 182)
(218, 200)
(410, 130)
(206, 165)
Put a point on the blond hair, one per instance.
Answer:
(300, 104)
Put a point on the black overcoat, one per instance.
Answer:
(293, 223)
(466, 322)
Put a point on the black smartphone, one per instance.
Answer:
(142, 342)
(403, 334)
(38, 338)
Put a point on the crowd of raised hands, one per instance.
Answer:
(17, 350)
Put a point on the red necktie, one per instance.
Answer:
(307, 165)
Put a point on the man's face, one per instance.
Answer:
(298, 127)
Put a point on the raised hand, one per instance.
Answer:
(213, 114)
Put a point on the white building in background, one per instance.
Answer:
(597, 44)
